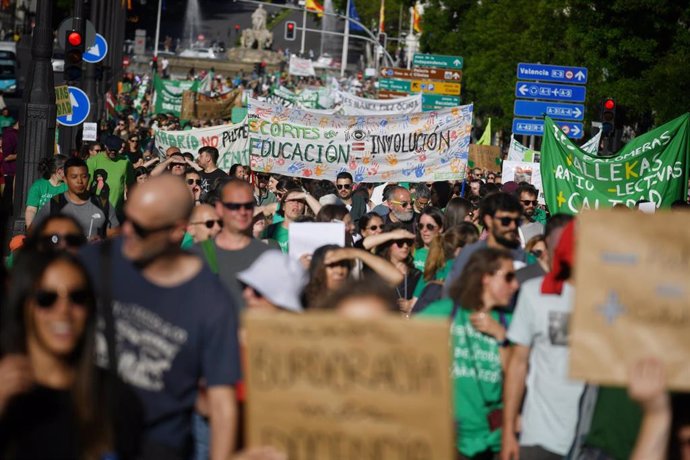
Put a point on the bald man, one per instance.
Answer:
(175, 323)
(204, 223)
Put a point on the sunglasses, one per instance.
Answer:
(509, 277)
(505, 221)
(537, 253)
(430, 227)
(209, 223)
(46, 299)
(194, 181)
(72, 240)
(343, 186)
(134, 140)
(373, 228)
(143, 232)
(401, 243)
(248, 206)
(529, 202)
(403, 204)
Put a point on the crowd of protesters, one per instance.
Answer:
(120, 334)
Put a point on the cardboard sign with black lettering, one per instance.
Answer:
(324, 387)
(632, 295)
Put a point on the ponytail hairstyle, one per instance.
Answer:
(443, 247)
(49, 165)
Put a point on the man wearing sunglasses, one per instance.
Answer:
(535, 218)
(354, 203)
(120, 173)
(175, 324)
(401, 209)
(204, 223)
(501, 214)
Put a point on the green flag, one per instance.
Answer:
(168, 94)
(486, 137)
(653, 166)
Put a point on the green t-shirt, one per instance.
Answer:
(615, 423)
(42, 191)
(6, 121)
(441, 275)
(120, 174)
(420, 256)
(472, 351)
(280, 235)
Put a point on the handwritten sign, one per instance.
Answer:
(632, 295)
(325, 387)
(62, 101)
(485, 157)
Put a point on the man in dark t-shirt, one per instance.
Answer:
(208, 160)
(175, 323)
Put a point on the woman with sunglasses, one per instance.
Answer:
(54, 402)
(369, 224)
(478, 334)
(430, 226)
(536, 252)
(57, 232)
(193, 181)
(51, 183)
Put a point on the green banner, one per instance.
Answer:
(653, 166)
(168, 94)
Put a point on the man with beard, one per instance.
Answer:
(353, 202)
(501, 214)
(400, 204)
(534, 217)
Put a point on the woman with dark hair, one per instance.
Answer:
(337, 213)
(332, 265)
(51, 183)
(56, 232)
(478, 334)
(293, 205)
(54, 402)
(368, 225)
(239, 171)
(141, 174)
(459, 210)
(430, 225)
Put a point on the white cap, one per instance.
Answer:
(278, 278)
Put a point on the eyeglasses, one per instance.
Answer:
(430, 227)
(373, 228)
(209, 223)
(72, 240)
(402, 204)
(537, 253)
(143, 232)
(46, 299)
(422, 204)
(509, 277)
(505, 221)
(343, 186)
(401, 243)
(194, 181)
(529, 202)
(134, 140)
(248, 206)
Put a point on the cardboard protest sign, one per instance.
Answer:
(354, 105)
(420, 147)
(197, 106)
(301, 67)
(653, 166)
(62, 101)
(328, 388)
(523, 171)
(230, 140)
(632, 297)
(307, 237)
(167, 97)
(486, 157)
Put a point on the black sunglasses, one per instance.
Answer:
(72, 240)
(505, 221)
(529, 202)
(343, 186)
(509, 277)
(401, 243)
(430, 227)
(537, 253)
(194, 181)
(248, 206)
(143, 232)
(46, 299)
(209, 223)
(373, 228)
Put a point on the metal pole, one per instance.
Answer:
(346, 40)
(158, 29)
(304, 33)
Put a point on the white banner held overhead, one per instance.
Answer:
(301, 67)
(354, 105)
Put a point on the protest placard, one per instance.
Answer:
(307, 237)
(420, 147)
(230, 140)
(523, 171)
(653, 167)
(197, 106)
(328, 388)
(354, 105)
(301, 67)
(632, 297)
(167, 97)
(486, 157)
(62, 101)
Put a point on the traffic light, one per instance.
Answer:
(74, 55)
(608, 116)
(290, 31)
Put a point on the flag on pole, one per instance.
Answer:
(314, 7)
(486, 137)
(416, 18)
(354, 15)
(382, 15)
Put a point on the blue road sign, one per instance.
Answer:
(574, 112)
(536, 128)
(80, 108)
(98, 51)
(550, 92)
(555, 73)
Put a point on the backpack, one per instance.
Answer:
(59, 201)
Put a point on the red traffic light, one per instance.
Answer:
(237, 27)
(74, 38)
(609, 104)
(290, 26)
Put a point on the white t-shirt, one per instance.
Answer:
(550, 412)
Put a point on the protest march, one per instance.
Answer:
(260, 253)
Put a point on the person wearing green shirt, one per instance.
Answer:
(5, 118)
(430, 225)
(478, 333)
(119, 173)
(292, 207)
(51, 183)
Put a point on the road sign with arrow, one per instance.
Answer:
(550, 91)
(97, 52)
(555, 110)
(81, 106)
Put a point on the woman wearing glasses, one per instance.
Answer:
(54, 402)
(430, 226)
(478, 334)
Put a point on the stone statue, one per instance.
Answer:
(259, 18)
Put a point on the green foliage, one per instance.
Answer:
(636, 51)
